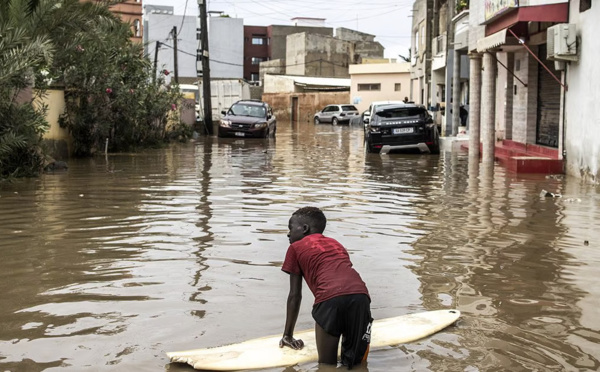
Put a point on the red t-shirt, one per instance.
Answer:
(325, 265)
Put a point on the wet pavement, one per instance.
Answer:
(110, 264)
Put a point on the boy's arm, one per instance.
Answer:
(293, 308)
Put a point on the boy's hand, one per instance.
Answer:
(291, 342)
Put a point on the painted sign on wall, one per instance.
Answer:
(494, 8)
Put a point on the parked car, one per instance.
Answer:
(374, 106)
(402, 127)
(336, 114)
(248, 118)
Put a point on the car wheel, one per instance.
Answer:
(334, 121)
(370, 147)
(435, 148)
(316, 120)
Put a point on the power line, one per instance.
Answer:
(237, 64)
(183, 18)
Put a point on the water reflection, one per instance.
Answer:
(118, 260)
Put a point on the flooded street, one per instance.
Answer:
(109, 265)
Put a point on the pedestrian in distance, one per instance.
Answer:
(342, 302)
(463, 114)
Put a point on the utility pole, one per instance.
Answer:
(155, 59)
(204, 56)
(175, 68)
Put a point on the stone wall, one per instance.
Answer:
(308, 103)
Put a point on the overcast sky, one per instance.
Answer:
(389, 20)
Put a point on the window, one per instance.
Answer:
(258, 40)
(253, 77)
(416, 42)
(136, 28)
(584, 5)
(397, 87)
(257, 60)
(372, 87)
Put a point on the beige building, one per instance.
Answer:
(378, 82)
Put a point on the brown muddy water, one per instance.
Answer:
(109, 265)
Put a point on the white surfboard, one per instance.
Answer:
(266, 353)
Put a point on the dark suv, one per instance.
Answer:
(248, 118)
(402, 127)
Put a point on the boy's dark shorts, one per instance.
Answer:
(350, 317)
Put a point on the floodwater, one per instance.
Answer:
(110, 264)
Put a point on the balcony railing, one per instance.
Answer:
(439, 45)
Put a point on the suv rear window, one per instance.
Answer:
(349, 108)
(402, 112)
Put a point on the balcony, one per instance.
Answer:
(438, 49)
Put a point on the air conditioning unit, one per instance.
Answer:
(562, 42)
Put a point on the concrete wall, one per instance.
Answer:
(226, 47)
(278, 36)
(278, 84)
(347, 34)
(476, 18)
(318, 55)
(362, 99)
(57, 139)
(274, 67)
(582, 121)
(308, 104)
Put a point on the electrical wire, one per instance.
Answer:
(237, 64)
(183, 18)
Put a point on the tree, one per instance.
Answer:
(21, 123)
(107, 81)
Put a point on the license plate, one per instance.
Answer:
(240, 134)
(402, 130)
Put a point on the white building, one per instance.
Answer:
(226, 43)
(159, 23)
(582, 117)
(226, 47)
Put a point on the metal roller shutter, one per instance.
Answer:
(548, 109)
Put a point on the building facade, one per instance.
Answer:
(256, 50)
(269, 43)
(517, 89)
(226, 47)
(160, 23)
(311, 54)
(378, 82)
(131, 12)
(581, 122)
(420, 75)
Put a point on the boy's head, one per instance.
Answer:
(306, 221)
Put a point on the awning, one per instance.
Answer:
(496, 40)
(323, 84)
(491, 41)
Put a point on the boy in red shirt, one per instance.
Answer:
(342, 302)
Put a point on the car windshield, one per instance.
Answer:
(401, 112)
(349, 108)
(247, 110)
